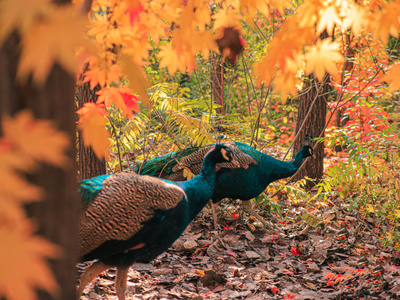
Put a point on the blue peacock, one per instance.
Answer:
(257, 171)
(131, 218)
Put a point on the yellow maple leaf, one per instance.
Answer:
(49, 40)
(21, 14)
(36, 139)
(322, 58)
(92, 124)
(392, 77)
(23, 263)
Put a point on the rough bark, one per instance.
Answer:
(313, 125)
(56, 216)
(88, 163)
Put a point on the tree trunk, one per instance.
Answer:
(313, 126)
(217, 82)
(88, 164)
(56, 216)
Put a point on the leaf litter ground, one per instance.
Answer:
(332, 254)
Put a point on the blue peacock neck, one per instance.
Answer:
(200, 188)
(298, 159)
(273, 169)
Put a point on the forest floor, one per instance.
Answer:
(336, 257)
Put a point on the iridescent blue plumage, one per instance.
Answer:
(242, 183)
(131, 218)
(89, 188)
(166, 162)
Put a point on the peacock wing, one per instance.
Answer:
(89, 188)
(194, 161)
(245, 160)
(122, 207)
(163, 165)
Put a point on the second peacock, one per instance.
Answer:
(257, 171)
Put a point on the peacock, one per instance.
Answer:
(129, 218)
(256, 172)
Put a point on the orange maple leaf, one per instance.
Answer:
(121, 97)
(355, 17)
(137, 79)
(328, 19)
(24, 255)
(387, 22)
(21, 14)
(51, 39)
(133, 10)
(92, 124)
(392, 77)
(227, 17)
(36, 139)
(102, 76)
(322, 58)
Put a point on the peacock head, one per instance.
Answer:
(222, 153)
(307, 151)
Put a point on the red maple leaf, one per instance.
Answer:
(130, 101)
(134, 13)
(295, 251)
(274, 289)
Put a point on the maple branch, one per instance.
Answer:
(260, 104)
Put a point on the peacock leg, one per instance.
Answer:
(91, 273)
(120, 282)
(214, 214)
(248, 206)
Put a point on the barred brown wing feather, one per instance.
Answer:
(194, 161)
(241, 157)
(125, 202)
(196, 158)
